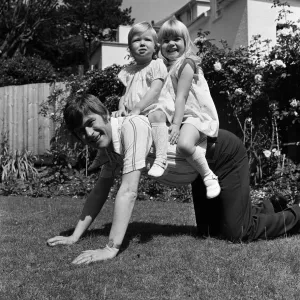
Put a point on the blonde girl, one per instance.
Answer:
(144, 93)
(195, 115)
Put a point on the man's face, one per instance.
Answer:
(94, 131)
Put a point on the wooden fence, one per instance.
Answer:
(20, 120)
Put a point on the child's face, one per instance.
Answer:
(172, 47)
(142, 47)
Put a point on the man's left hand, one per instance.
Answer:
(89, 256)
(135, 112)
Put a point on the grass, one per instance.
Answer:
(160, 259)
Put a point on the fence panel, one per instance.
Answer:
(20, 120)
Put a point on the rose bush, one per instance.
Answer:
(259, 88)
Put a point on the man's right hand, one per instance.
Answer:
(119, 113)
(61, 240)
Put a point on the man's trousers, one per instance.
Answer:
(231, 214)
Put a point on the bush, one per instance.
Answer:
(100, 83)
(21, 69)
(258, 89)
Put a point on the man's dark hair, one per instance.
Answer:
(81, 105)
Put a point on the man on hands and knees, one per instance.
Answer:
(229, 215)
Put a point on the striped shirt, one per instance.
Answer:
(132, 145)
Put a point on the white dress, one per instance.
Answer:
(200, 109)
(138, 78)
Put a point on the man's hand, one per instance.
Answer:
(62, 240)
(119, 113)
(86, 257)
(135, 112)
(174, 133)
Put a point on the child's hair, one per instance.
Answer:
(173, 27)
(140, 28)
(81, 105)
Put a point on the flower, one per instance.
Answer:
(197, 40)
(238, 91)
(262, 64)
(200, 39)
(285, 31)
(257, 78)
(277, 63)
(295, 103)
(276, 152)
(267, 153)
(217, 66)
(296, 32)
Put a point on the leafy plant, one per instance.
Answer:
(24, 70)
(17, 165)
(257, 88)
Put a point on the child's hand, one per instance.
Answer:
(136, 111)
(174, 133)
(119, 113)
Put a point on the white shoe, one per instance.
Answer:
(213, 188)
(157, 170)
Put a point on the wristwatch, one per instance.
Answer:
(111, 244)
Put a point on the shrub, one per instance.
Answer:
(101, 83)
(17, 165)
(21, 69)
(258, 89)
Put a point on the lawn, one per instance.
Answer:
(161, 258)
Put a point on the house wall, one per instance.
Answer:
(262, 18)
(230, 26)
(114, 53)
(240, 20)
(109, 53)
(122, 34)
(192, 11)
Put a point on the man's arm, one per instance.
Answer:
(91, 209)
(124, 204)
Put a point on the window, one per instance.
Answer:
(220, 5)
(189, 16)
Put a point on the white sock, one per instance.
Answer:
(210, 180)
(160, 138)
(199, 162)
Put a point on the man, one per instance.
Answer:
(126, 142)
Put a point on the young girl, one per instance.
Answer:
(195, 115)
(143, 93)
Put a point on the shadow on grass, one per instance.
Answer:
(140, 232)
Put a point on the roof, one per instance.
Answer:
(159, 23)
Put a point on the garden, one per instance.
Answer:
(257, 94)
(256, 91)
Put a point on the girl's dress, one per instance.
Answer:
(138, 78)
(200, 109)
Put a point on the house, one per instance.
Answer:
(235, 21)
(108, 53)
